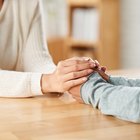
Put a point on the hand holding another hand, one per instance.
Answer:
(75, 91)
(69, 73)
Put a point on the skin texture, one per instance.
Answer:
(69, 73)
(75, 91)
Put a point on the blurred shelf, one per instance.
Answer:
(56, 48)
(84, 3)
(107, 47)
(55, 39)
(81, 43)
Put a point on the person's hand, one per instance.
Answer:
(101, 70)
(75, 92)
(103, 74)
(69, 73)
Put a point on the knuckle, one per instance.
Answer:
(72, 84)
(76, 67)
(88, 65)
(76, 62)
(60, 63)
(74, 74)
(85, 72)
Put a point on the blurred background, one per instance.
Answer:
(106, 30)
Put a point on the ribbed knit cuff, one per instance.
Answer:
(35, 84)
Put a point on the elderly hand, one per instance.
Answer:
(69, 73)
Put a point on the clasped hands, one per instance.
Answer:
(69, 75)
(75, 91)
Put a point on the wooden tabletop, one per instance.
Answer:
(59, 117)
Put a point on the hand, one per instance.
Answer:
(69, 73)
(101, 70)
(75, 92)
(103, 74)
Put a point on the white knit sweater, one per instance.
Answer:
(24, 55)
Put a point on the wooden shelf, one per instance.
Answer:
(56, 46)
(107, 45)
(83, 3)
(75, 43)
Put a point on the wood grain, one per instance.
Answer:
(55, 117)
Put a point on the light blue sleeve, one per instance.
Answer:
(124, 81)
(120, 101)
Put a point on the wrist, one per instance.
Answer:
(46, 83)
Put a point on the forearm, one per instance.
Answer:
(19, 84)
(124, 81)
(119, 80)
(119, 101)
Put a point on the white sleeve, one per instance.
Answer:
(36, 57)
(19, 84)
(36, 60)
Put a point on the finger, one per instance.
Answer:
(97, 63)
(68, 63)
(75, 75)
(79, 67)
(76, 82)
(80, 58)
(103, 69)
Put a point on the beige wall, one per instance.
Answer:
(130, 33)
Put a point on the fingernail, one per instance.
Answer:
(96, 62)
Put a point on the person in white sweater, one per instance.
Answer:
(26, 67)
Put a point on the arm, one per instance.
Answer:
(119, 80)
(36, 58)
(124, 81)
(40, 74)
(19, 84)
(27, 84)
(119, 101)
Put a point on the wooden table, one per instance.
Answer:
(56, 117)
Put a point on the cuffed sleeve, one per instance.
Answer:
(19, 84)
(36, 84)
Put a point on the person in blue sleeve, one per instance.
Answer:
(116, 96)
